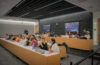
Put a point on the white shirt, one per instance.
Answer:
(55, 48)
(67, 36)
(87, 36)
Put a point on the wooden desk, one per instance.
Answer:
(81, 44)
(63, 52)
(30, 57)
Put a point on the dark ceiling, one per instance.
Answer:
(40, 9)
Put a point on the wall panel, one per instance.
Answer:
(58, 23)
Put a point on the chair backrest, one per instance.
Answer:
(66, 46)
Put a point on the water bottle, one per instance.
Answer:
(33, 46)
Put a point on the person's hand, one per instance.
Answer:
(50, 51)
(81, 36)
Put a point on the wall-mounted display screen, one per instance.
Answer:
(46, 28)
(72, 27)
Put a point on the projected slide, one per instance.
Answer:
(46, 28)
(72, 27)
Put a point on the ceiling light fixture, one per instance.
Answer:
(20, 3)
(63, 9)
(47, 5)
(10, 21)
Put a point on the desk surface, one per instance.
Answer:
(82, 44)
(30, 56)
(46, 53)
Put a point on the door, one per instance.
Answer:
(99, 31)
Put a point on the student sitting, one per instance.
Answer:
(87, 35)
(23, 40)
(52, 34)
(34, 37)
(27, 42)
(84, 34)
(43, 45)
(54, 47)
(13, 37)
(39, 39)
(7, 36)
(34, 42)
(10, 37)
(17, 39)
(70, 36)
(76, 35)
(66, 35)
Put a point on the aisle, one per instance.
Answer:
(6, 58)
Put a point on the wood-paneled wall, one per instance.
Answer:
(99, 31)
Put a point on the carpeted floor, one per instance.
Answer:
(6, 58)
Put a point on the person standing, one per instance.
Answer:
(26, 32)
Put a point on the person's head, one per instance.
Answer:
(66, 33)
(39, 37)
(32, 39)
(7, 35)
(75, 33)
(15, 36)
(42, 33)
(87, 32)
(53, 41)
(52, 32)
(45, 32)
(48, 33)
(28, 39)
(33, 35)
(84, 30)
(69, 33)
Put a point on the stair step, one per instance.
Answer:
(97, 54)
(96, 57)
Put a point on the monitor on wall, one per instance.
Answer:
(72, 27)
(46, 28)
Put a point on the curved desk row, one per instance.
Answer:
(81, 44)
(29, 56)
